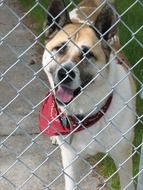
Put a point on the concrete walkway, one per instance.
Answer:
(25, 160)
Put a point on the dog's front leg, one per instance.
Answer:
(121, 157)
(71, 166)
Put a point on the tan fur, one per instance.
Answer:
(84, 12)
(89, 9)
(93, 3)
(77, 35)
(88, 4)
(90, 13)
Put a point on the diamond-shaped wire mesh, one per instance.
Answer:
(28, 159)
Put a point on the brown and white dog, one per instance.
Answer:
(91, 85)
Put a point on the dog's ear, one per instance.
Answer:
(57, 17)
(105, 23)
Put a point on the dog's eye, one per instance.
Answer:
(60, 49)
(87, 53)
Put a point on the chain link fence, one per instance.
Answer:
(28, 159)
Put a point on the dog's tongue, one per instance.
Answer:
(64, 94)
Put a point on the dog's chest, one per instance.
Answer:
(98, 137)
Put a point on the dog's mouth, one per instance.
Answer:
(65, 95)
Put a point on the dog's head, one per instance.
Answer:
(76, 53)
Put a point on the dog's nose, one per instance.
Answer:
(66, 75)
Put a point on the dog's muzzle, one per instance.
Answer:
(67, 84)
(66, 75)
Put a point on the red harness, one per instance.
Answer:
(53, 122)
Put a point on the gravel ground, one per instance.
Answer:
(24, 158)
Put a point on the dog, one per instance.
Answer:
(91, 106)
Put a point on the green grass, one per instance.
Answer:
(36, 15)
(134, 51)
